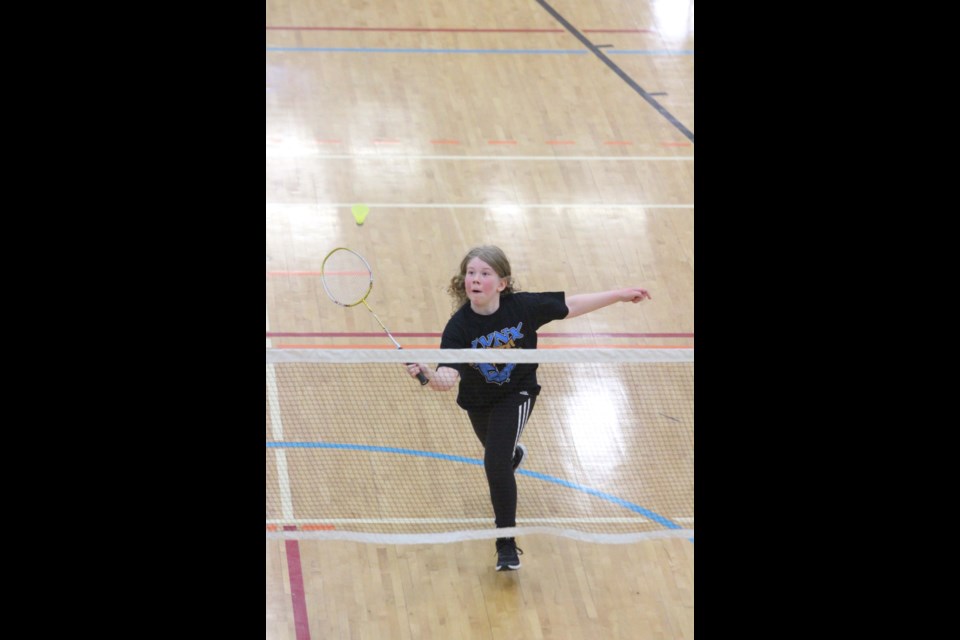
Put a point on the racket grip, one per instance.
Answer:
(422, 378)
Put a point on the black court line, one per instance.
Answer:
(617, 70)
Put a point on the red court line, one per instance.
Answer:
(561, 142)
(501, 142)
(434, 334)
(297, 593)
(613, 346)
(452, 30)
(354, 346)
(437, 346)
(617, 142)
(318, 273)
(445, 142)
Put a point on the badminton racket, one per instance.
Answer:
(348, 280)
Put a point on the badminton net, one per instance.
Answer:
(358, 450)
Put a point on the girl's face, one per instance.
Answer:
(483, 285)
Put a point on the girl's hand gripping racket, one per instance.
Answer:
(348, 280)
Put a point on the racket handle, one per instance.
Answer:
(422, 378)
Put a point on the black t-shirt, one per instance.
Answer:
(513, 326)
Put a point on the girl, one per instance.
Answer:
(498, 399)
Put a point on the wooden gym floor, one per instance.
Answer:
(561, 131)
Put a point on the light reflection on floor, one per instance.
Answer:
(594, 424)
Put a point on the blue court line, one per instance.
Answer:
(575, 52)
(655, 52)
(442, 456)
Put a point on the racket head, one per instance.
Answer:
(347, 277)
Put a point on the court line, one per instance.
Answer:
(276, 430)
(652, 52)
(492, 205)
(294, 569)
(617, 70)
(365, 274)
(434, 334)
(452, 30)
(643, 511)
(437, 346)
(569, 52)
(556, 355)
(333, 521)
(479, 534)
(275, 144)
(272, 146)
(297, 592)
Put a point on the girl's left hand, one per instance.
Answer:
(635, 295)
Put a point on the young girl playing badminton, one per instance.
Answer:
(498, 399)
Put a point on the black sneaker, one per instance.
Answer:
(508, 555)
(518, 455)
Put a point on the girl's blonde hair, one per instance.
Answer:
(494, 257)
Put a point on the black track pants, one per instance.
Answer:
(499, 428)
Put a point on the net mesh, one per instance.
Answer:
(356, 449)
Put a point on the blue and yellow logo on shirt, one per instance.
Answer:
(503, 339)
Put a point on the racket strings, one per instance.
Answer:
(346, 277)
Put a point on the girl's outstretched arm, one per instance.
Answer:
(586, 302)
